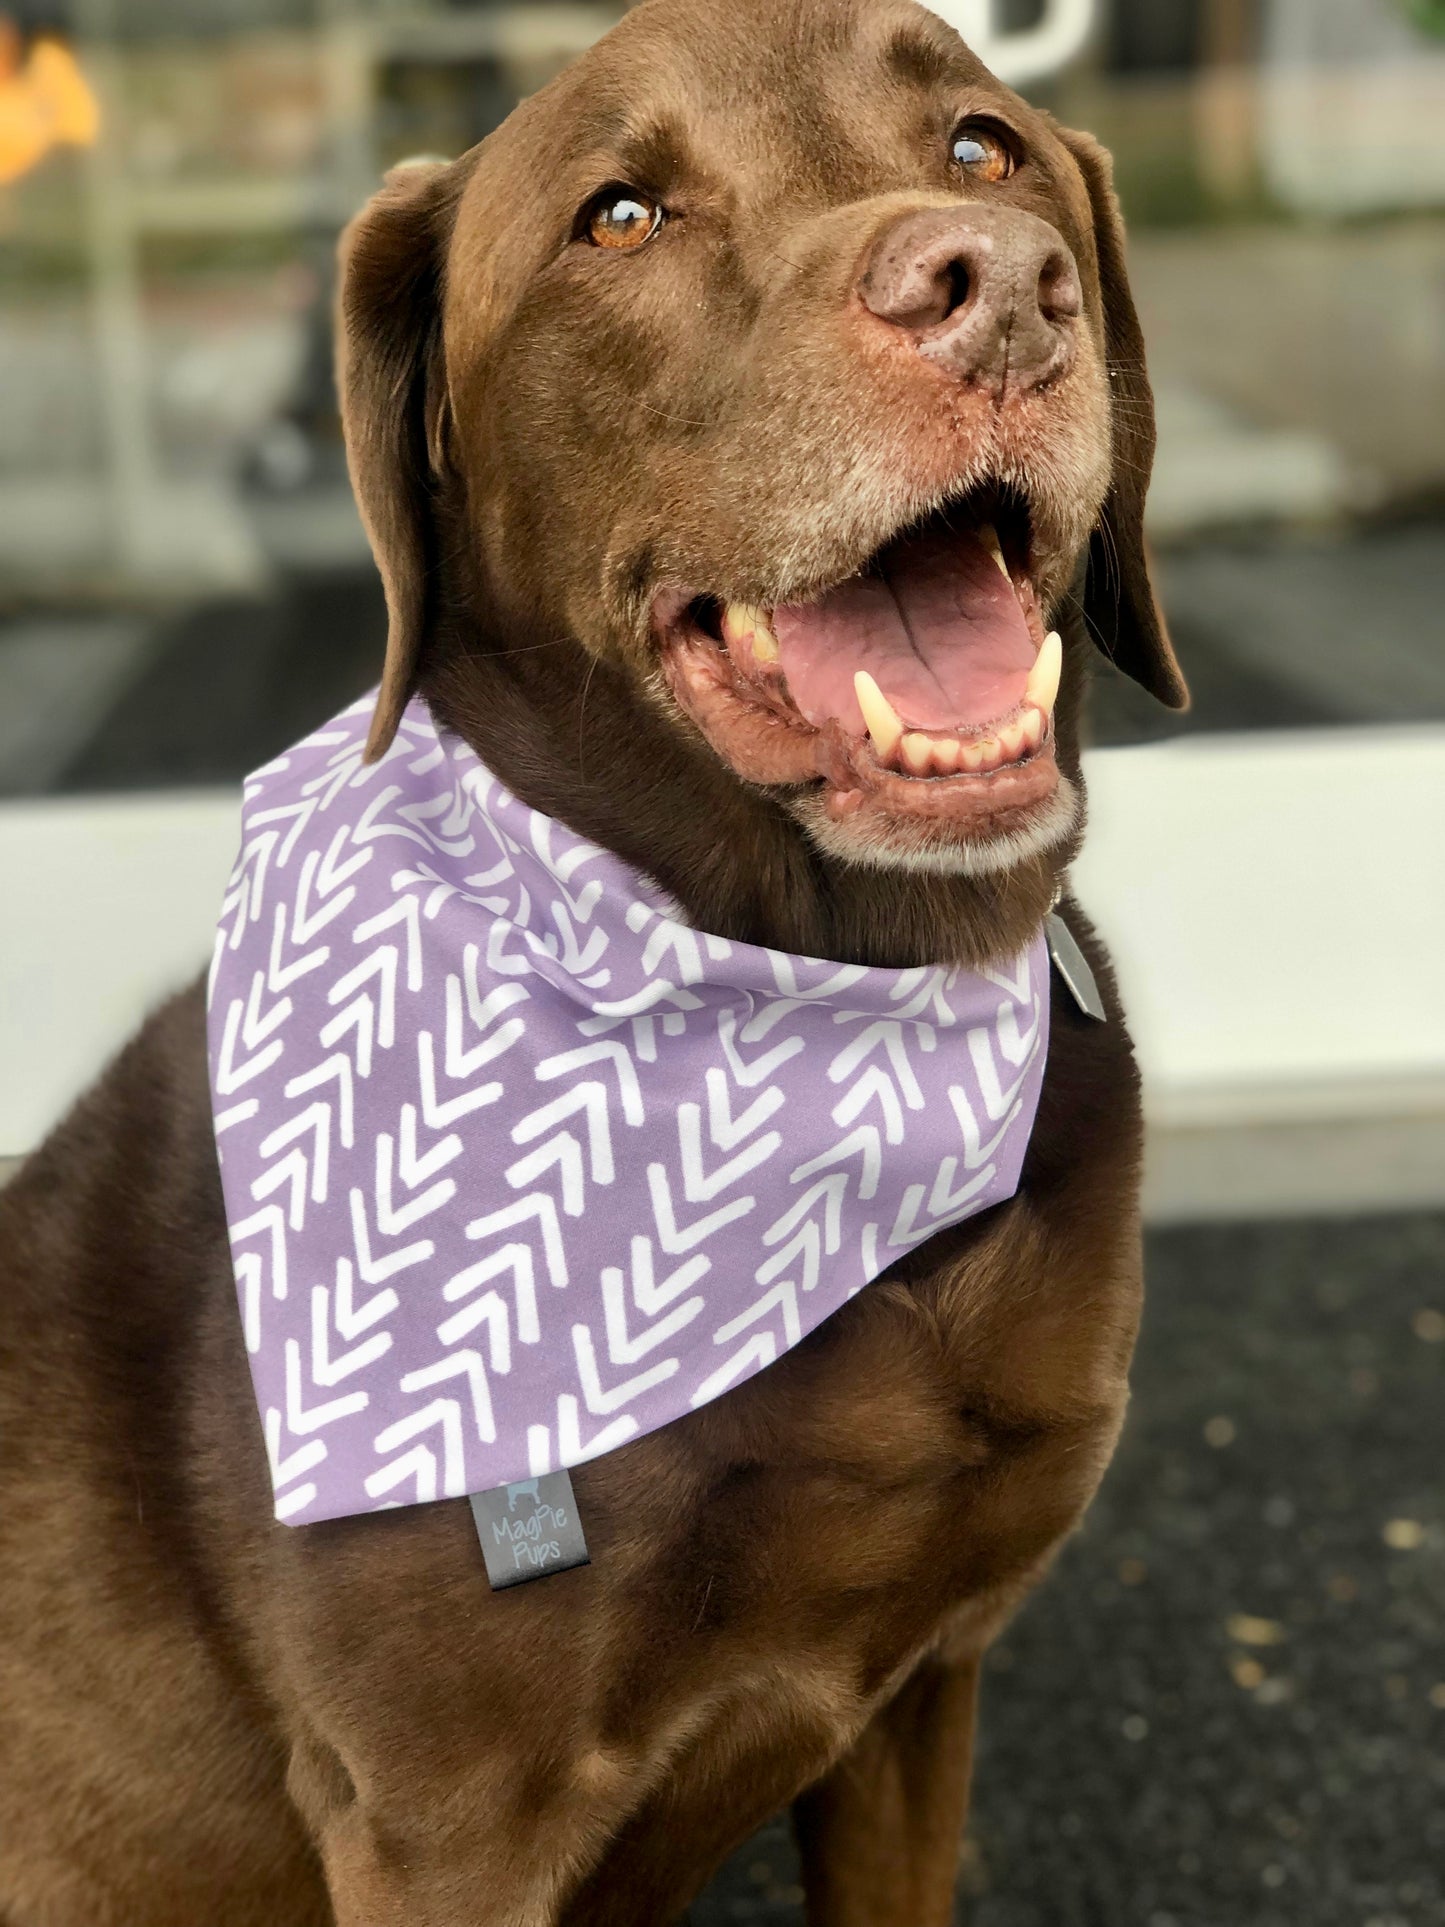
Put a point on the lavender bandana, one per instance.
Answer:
(518, 1165)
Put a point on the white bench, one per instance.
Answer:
(1276, 907)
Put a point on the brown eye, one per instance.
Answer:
(981, 153)
(622, 218)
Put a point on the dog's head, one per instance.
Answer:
(777, 365)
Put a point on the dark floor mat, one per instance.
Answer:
(230, 684)
(1227, 691)
(1227, 1707)
(1287, 633)
(1271, 636)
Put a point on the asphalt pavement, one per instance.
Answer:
(1226, 1708)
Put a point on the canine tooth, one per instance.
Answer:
(988, 535)
(739, 619)
(917, 751)
(883, 721)
(1042, 688)
(745, 624)
(1011, 741)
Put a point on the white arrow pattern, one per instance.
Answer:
(519, 1166)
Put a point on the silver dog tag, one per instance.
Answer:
(1073, 966)
(529, 1529)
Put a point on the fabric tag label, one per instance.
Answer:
(529, 1529)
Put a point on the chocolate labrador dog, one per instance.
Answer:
(689, 415)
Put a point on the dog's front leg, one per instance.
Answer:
(389, 1872)
(880, 1833)
(425, 1836)
(705, 1805)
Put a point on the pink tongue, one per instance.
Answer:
(939, 630)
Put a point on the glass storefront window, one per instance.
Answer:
(183, 581)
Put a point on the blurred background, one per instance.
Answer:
(1242, 1676)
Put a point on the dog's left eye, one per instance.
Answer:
(982, 152)
(620, 217)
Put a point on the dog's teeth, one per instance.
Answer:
(917, 752)
(989, 753)
(1011, 741)
(739, 619)
(765, 643)
(1042, 688)
(988, 535)
(883, 722)
(945, 754)
(748, 626)
(970, 757)
(1033, 722)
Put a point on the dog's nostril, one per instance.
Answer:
(989, 294)
(1060, 297)
(958, 284)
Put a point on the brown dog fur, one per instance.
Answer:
(206, 1717)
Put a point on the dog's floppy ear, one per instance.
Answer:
(394, 406)
(1119, 599)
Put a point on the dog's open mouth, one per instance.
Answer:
(925, 681)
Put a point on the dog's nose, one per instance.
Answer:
(991, 294)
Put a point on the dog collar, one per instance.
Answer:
(518, 1165)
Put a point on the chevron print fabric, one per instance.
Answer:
(518, 1165)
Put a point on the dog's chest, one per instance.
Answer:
(922, 1449)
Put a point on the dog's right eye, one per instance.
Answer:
(982, 153)
(620, 217)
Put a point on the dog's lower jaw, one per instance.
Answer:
(875, 841)
(853, 809)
